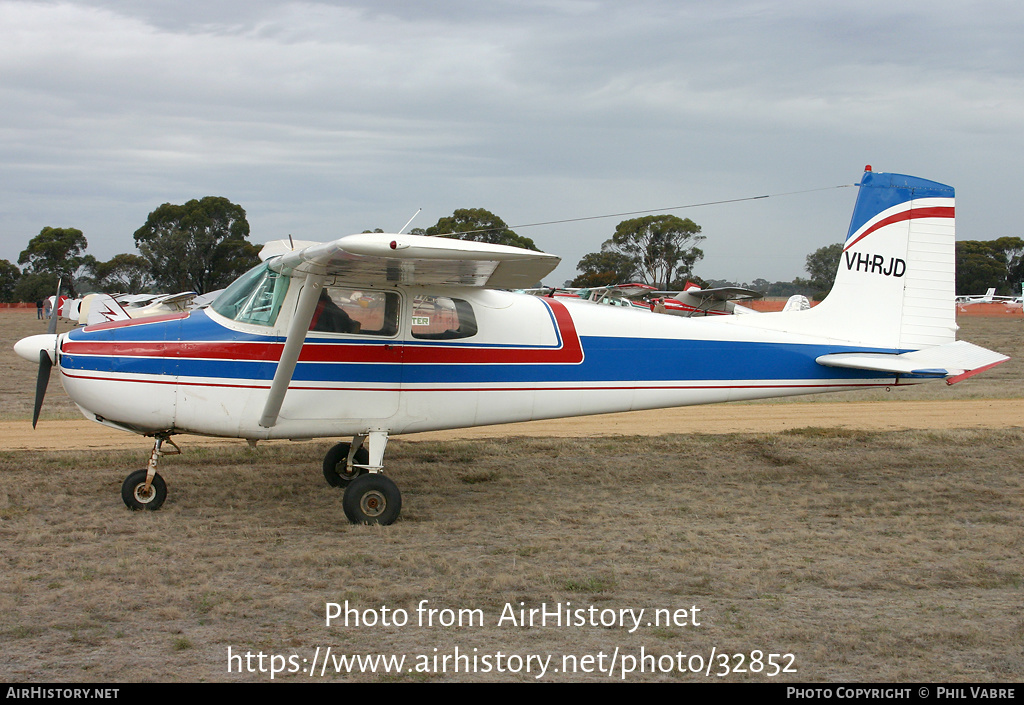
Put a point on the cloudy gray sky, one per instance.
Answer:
(327, 118)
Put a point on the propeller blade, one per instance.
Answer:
(42, 380)
(52, 327)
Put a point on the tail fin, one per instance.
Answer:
(897, 275)
(103, 309)
(895, 287)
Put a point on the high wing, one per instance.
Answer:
(694, 301)
(382, 258)
(136, 300)
(177, 301)
(205, 299)
(628, 295)
(720, 293)
(629, 291)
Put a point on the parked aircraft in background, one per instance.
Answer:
(142, 305)
(626, 295)
(987, 298)
(693, 301)
(373, 335)
(103, 308)
(56, 303)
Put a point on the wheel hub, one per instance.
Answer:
(373, 503)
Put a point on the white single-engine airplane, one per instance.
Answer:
(987, 298)
(375, 334)
(718, 301)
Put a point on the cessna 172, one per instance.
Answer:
(374, 334)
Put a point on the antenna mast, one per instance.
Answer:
(410, 220)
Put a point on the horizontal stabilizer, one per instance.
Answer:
(957, 360)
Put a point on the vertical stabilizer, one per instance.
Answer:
(895, 287)
(898, 262)
(102, 308)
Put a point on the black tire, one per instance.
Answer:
(134, 494)
(336, 465)
(372, 499)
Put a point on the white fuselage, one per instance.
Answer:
(529, 358)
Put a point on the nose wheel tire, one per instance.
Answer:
(372, 499)
(137, 496)
(336, 470)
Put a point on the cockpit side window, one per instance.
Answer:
(255, 297)
(356, 311)
(442, 318)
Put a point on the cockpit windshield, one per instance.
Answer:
(255, 297)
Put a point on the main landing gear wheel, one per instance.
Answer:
(372, 499)
(137, 496)
(336, 470)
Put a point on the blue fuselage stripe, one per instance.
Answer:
(640, 360)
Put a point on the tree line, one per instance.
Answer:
(661, 251)
(203, 246)
(199, 246)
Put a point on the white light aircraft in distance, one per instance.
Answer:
(372, 335)
(717, 301)
(693, 301)
(989, 297)
(986, 298)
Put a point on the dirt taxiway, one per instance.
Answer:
(724, 418)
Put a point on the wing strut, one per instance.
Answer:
(308, 298)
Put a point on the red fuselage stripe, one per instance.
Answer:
(570, 352)
(910, 214)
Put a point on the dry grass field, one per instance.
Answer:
(885, 556)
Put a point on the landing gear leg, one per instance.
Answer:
(372, 498)
(145, 489)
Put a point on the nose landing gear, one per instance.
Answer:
(145, 489)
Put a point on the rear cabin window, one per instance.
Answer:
(356, 311)
(442, 318)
